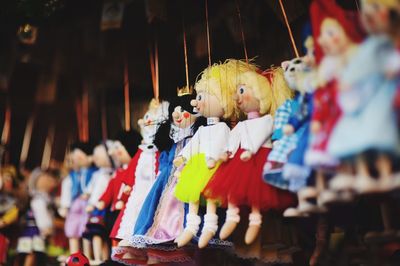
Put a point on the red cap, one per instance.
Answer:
(77, 259)
(350, 20)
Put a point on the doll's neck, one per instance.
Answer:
(253, 115)
(212, 120)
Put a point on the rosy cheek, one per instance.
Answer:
(246, 98)
(186, 115)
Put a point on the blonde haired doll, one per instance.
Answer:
(202, 155)
(238, 182)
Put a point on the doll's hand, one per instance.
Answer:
(100, 205)
(211, 163)
(127, 190)
(85, 196)
(89, 208)
(63, 212)
(288, 130)
(224, 156)
(119, 205)
(46, 232)
(2, 224)
(177, 174)
(245, 156)
(315, 127)
(178, 161)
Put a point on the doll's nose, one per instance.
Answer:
(193, 103)
(235, 97)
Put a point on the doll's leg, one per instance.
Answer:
(87, 248)
(255, 221)
(30, 260)
(231, 221)
(73, 245)
(384, 167)
(364, 182)
(321, 240)
(193, 221)
(210, 224)
(97, 243)
(106, 251)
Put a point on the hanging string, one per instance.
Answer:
(5, 135)
(185, 53)
(242, 32)
(85, 112)
(126, 97)
(48, 146)
(79, 120)
(208, 35)
(104, 132)
(157, 94)
(357, 5)
(154, 70)
(289, 29)
(26, 142)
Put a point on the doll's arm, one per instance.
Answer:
(105, 199)
(42, 215)
(192, 147)
(281, 119)
(98, 189)
(9, 217)
(234, 139)
(66, 196)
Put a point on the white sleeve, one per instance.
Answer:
(234, 139)
(192, 147)
(66, 189)
(43, 217)
(100, 185)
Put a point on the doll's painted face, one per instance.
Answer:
(245, 99)
(80, 159)
(375, 17)
(208, 105)
(182, 118)
(6, 182)
(119, 153)
(333, 38)
(46, 183)
(151, 120)
(100, 156)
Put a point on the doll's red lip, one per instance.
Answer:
(179, 120)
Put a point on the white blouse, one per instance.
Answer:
(98, 184)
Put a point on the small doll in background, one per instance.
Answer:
(145, 172)
(39, 218)
(96, 233)
(238, 182)
(74, 193)
(202, 155)
(8, 209)
(113, 199)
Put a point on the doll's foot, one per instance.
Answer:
(245, 156)
(209, 229)
(343, 186)
(231, 222)
(254, 228)
(211, 163)
(192, 227)
(95, 262)
(366, 185)
(292, 213)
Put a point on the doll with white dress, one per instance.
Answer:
(39, 218)
(202, 155)
(238, 182)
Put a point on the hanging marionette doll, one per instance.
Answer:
(39, 218)
(239, 181)
(161, 219)
(113, 199)
(144, 176)
(202, 155)
(368, 124)
(74, 193)
(337, 32)
(8, 209)
(95, 232)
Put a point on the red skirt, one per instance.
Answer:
(241, 183)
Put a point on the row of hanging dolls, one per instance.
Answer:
(217, 167)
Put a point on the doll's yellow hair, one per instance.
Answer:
(221, 81)
(271, 93)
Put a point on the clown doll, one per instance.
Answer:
(8, 209)
(161, 219)
(202, 155)
(238, 182)
(122, 150)
(144, 175)
(39, 218)
(74, 193)
(368, 124)
(95, 232)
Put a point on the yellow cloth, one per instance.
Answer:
(10, 216)
(194, 178)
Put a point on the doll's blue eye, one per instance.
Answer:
(199, 97)
(241, 90)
